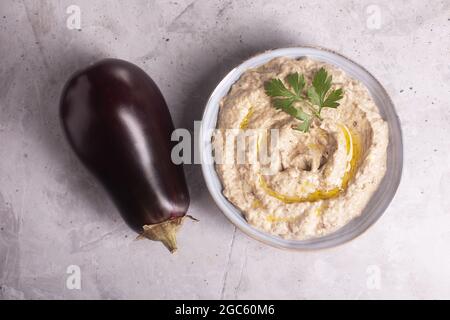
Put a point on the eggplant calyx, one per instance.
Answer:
(165, 232)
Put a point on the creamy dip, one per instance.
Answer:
(317, 181)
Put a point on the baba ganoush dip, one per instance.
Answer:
(318, 180)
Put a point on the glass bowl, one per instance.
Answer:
(380, 199)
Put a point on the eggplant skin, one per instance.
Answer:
(118, 124)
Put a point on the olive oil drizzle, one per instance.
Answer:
(246, 120)
(353, 146)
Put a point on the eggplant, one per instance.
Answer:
(118, 123)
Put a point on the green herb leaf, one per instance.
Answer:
(316, 95)
(305, 125)
(297, 82)
(276, 88)
(333, 98)
(285, 105)
(313, 96)
(321, 83)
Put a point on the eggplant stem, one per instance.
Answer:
(165, 232)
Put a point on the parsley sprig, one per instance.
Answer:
(312, 99)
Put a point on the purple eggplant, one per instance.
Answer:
(118, 124)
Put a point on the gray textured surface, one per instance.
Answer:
(53, 214)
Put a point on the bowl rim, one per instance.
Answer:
(273, 240)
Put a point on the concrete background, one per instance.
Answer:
(53, 214)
